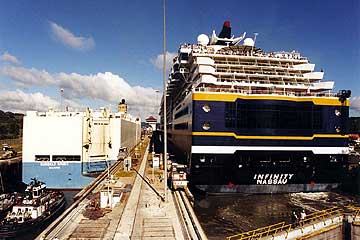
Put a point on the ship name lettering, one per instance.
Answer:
(268, 179)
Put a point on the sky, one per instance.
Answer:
(102, 51)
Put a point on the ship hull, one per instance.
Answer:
(63, 175)
(259, 189)
(243, 151)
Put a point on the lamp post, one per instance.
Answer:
(252, 47)
(61, 98)
(156, 103)
(165, 111)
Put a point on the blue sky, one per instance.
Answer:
(71, 44)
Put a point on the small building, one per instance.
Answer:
(152, 122)
(111, 194)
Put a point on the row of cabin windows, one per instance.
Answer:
(181, 113)
(57, 158)
(247, 115)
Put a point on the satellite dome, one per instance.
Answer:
(203, 39)
(249, 42)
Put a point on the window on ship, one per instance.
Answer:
(255, 115)
(42, 157)
(66, 157)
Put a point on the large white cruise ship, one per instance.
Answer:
(246, 120)
(66, 149)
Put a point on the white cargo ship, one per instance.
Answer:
(66, 149)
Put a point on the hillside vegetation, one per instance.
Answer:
(10, 125)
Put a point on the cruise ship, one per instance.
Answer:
(67, 149)
(247, 120)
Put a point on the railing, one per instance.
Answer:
(356, 213)
(321, 215)
(277, 55)
(274, 229)
(257, 233)
(266, 91)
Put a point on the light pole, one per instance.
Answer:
(165, 114)
(61, 98)
(252, 47)
(156, 103)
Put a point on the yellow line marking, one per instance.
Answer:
(231, 134)
(229, 97)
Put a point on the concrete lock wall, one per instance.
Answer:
(355, 232)
(333, 234)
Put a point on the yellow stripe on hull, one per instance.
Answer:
(230, 97)
(231, 134)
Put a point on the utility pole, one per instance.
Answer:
(252, 47)
(61, 98)
(165, 111)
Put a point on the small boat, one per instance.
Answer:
(7, 200)
(33, 210)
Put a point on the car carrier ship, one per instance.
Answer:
(67, 149)
(252, 121)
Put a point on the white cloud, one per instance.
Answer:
(7, 57)
(355, 103)
(19, 101)
(102, 87)
(66, 37)
(25, 77)
(111, 88)
(159, 60)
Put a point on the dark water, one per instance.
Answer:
(226, 215)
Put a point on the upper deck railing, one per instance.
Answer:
(265, 91)
(293, 55)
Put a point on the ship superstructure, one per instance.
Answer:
(247, 120)
(66, 149)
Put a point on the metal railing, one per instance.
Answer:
(265, 91)
(259, 232)
(274, 229)
(196, 48)
(356, 213)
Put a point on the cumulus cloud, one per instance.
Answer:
(355, 103)
(111, 88)
(7, 57)
(106, 87)
(19, 101)
(67, 38)
(159, 60)
(25, 77)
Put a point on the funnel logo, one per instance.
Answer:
(268, 179)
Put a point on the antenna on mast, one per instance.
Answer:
(252, 48)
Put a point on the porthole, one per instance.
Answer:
(206, 126)
(206, 108)
(337, 129)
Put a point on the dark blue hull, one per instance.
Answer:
(264, 146)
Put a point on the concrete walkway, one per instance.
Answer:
(146, 216)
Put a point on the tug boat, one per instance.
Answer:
(7, 200)
(32, 210)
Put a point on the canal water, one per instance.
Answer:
(226, 215)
